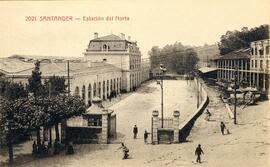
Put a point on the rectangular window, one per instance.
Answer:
(252, 63)
(261, 64)
(255, 63)
(267, 63)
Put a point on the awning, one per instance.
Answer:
(207, 69)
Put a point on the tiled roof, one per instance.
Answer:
(10, 65)
(238, 54)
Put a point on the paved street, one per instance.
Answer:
(237, 149)
(135, 109)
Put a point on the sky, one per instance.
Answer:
(151, 23)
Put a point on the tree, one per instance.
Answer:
(55, 85)
(20, 116)
(176, 58)
(234, 40)
(12, 91)
(35, 85)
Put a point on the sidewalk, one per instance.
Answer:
(248, 143)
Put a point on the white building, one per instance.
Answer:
(111, 64)
(120, 52)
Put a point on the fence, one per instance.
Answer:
(167, 123)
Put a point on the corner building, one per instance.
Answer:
(120, 52)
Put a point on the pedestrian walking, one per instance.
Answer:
(34, 148)
(222, 127)
(145, 136)
(135, 131)
(125, 151)
(208, 115)
(198, 153)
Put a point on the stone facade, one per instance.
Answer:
(120, 52)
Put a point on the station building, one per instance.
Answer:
(111, 64)
(120, 52)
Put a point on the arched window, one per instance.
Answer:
(95, 90)
(77, 91)
(117, 85)
(89, 91)
(83, 92)
(104, 47)
(108, 84)
(267, 50)
(99, 89)
(114, 82)
(255, 51)
(130, 81)
(103, 88)
(120, 85)
(111, 85)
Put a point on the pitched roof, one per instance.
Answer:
(238, 54)
(76, 68)
(24, 65)
(10, 65)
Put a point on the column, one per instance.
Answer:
(109, 92)
(105, 89)
(104, 132)
(254, 79)
(242, 70)
(258, 80)
(226, 70)
(264, 82)
(176, 115)
(250, 78)
(155, 127)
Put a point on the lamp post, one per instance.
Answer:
(163, 70)
(235, 100)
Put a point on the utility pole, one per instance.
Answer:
(163, 70)
(235, 99)
(198, 92)
(68, 77)
(50, 131)
(161, 84)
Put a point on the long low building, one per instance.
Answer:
(86, 79)
(111, 64)
(251, 66)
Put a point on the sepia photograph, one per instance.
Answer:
(143, 83)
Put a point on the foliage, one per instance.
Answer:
(55, 85)
(11, 91)
(27, 114)
(176, 58)
(234, 40)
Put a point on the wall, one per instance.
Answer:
(185, 127)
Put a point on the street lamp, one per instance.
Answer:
(163, 70)
(235, 100)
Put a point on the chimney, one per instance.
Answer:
(95, 35)
(123, 36)
(129, 38)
